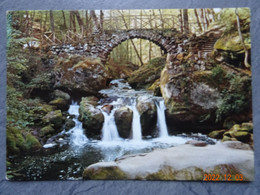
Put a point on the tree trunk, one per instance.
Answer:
(80, 22)
(95, 19)
(162, 21)
(198, 21)
(64, 21)
(247, 65)
(186, 21)
(52, 25)
(101, 20)
(136, 51)
(181, 21)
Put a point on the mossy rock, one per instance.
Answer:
(54, 117)
(32, 143)
(217, 134)
(147, 74)
(61, 94)
(227, 138)
(14, 140)
(111, 172)
(247, 127)
(242, 136)
(46, 131)
(60, 103)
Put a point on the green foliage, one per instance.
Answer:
(18, 112)
(228, 18)
(236, 98)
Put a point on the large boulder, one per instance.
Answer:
(148, 114)
(123, 119)
(201, 99)
(243, 133)
(91, 117)
(80, 74)
(166, 164)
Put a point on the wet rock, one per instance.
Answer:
(123, 119)
(55, 118)
(196, 143)
(107, 108)
(69, 124)
(91, 117)
(148, 114)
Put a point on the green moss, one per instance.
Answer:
(147, 74)
(216, 134)
(104, 173)
(54, 117)
(163, 174)
(46, 130)
(32, 143)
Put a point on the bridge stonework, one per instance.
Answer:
(170, 41)
(101, 44)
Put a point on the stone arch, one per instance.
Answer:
(155, 36)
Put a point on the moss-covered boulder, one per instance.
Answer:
(229, 46)
(60, 103)
(54, 118)
(80, 74)
(155, 87)
(241, 133)
(91, 117)
(123, 119)
(111, 172)
(147, 74)
(17, 141)
(60, 94)
(32, 143)
(148, 114)
(47, 130)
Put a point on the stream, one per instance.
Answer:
(65, 155)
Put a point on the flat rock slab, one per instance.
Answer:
(183, 162)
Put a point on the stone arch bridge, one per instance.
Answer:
(101, 44)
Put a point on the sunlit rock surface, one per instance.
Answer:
(184, 162)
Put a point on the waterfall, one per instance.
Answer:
(109, 130)
(161, 121)
(78, 137)
(136, 123)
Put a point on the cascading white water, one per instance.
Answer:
(77, 133)
(109, 130)
(136, 123)
(161, 121)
